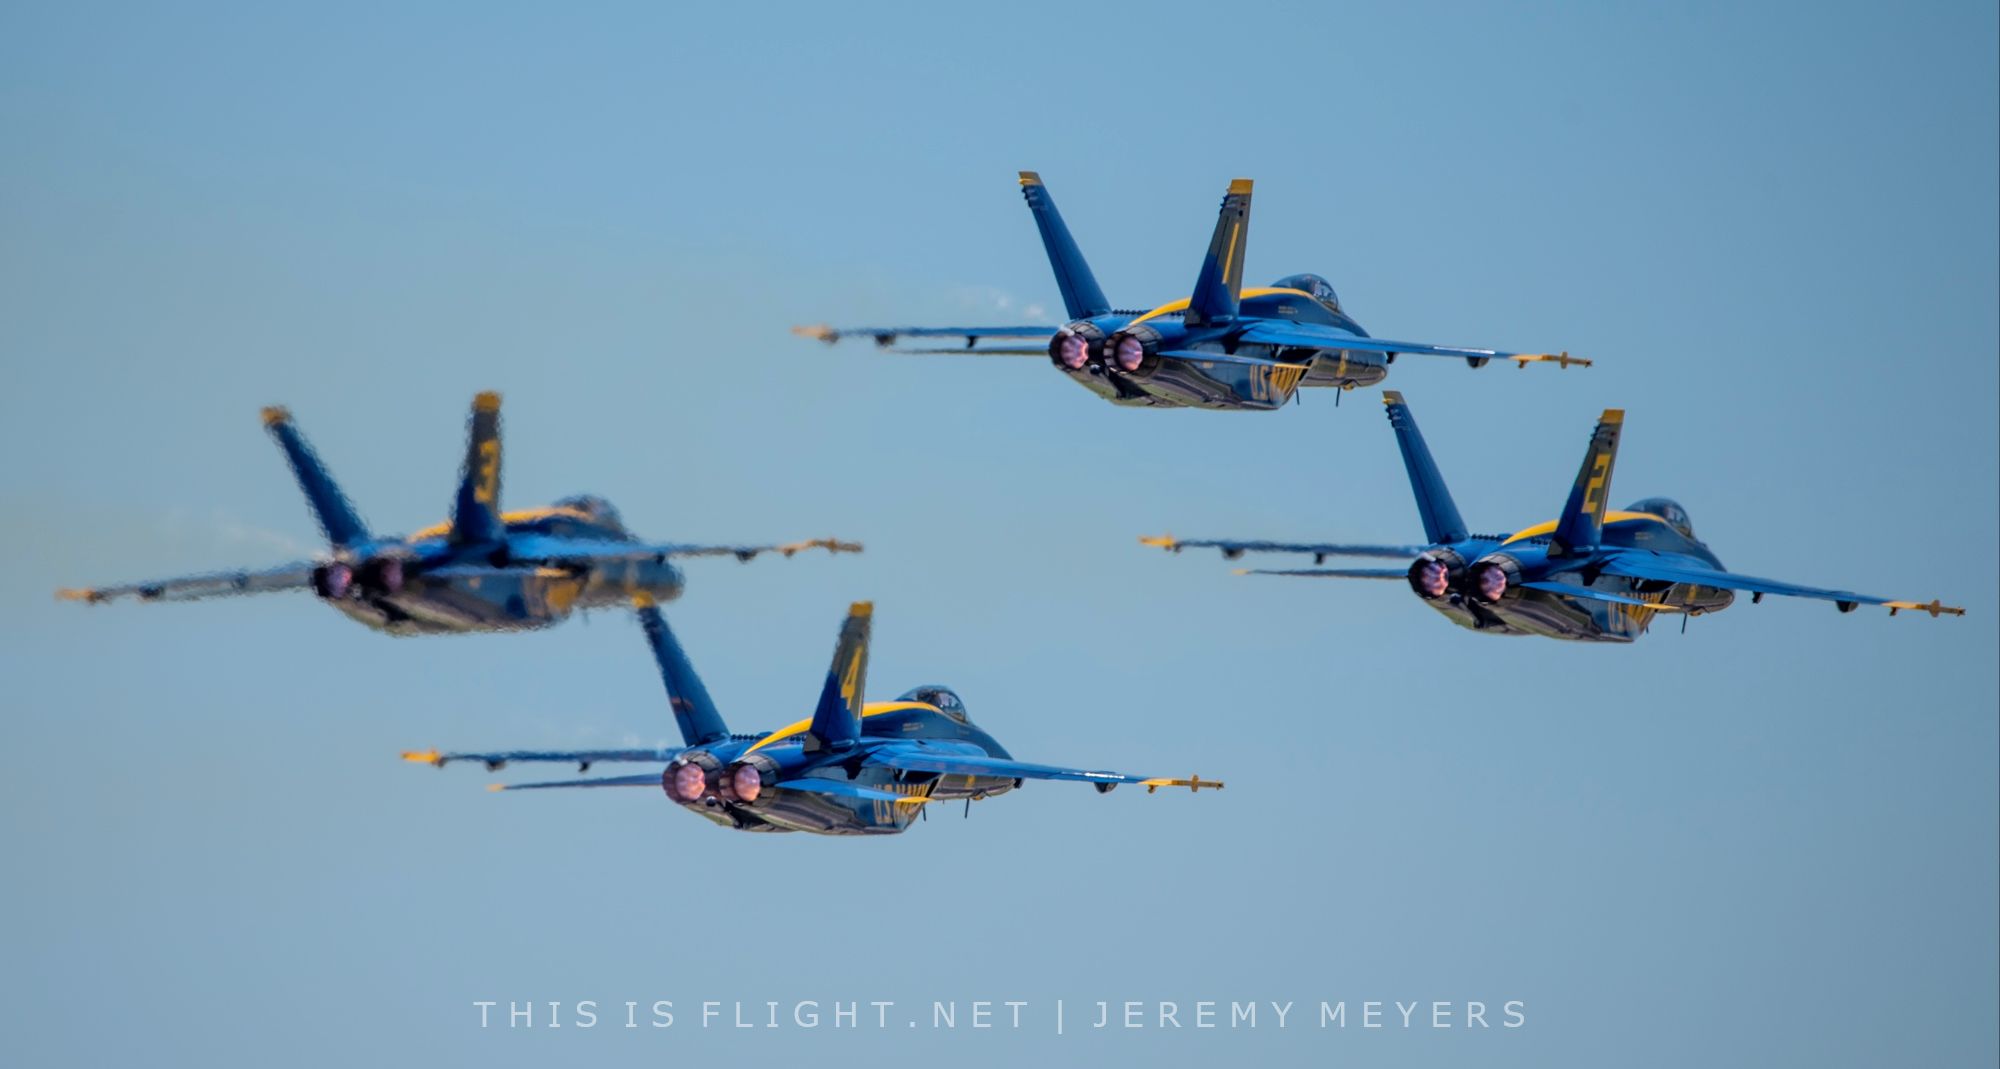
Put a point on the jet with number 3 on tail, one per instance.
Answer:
(1223, 347)
(852, 768)
(1590, 575)
(483, 570)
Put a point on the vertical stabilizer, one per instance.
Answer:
(475, 516)
(694, 712)
(1442, 525)
(836, 723)
(1582, 520)
(1220, 284)
(336, 515)
(1081, 297)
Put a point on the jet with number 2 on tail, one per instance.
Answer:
(1589, 575)
(484, 570)
(1223, 347)
(851, 769)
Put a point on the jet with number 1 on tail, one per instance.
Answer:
(852, 768)
(1222, 347)
(483, 570)
(1589, 575)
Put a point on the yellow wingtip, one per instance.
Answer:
(818, 332)
(1612, 415)
(1561, 360)
(421, 757)
(1162, 541)
(1030, 178)
(862, 609)
(496, 786)
(74, 594)
(1392, 397)
(1192, 783)
(831, 545)
(486, 401)
(276, 414)
(1240, 185)
(1935, 608)
(1240, 571)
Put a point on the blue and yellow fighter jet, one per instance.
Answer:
(484, 570)
(852, 769)
(1589, 575)
(1224, 347)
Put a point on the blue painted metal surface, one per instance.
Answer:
(1224, 347)
(1590, 575)
(484, 570)
(850, 769)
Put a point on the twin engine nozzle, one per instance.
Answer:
(1440, 572)
(376, 575)
(697, 778)
(1133, 351)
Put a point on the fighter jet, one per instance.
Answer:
(1589, 575)
(483, 570)
(1223, 347)
(851, 769)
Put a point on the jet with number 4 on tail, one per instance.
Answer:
(1222, 347)
(483, 570)
(852, 768)
(1590, 575)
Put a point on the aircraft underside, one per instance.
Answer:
(1575, 619)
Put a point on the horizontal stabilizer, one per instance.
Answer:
(196, 587)
(1233, 549)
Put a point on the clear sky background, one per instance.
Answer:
(1770, 840)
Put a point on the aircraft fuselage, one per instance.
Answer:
(1525, 557)
(1258, 378)
(783, 755)
(422, 584)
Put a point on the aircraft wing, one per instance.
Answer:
(583, 759)
(886, 336)
(586, 551)
(918, 758)
(1660, 567)
(1279, 332)
(1332, 573)
(1233, 549)
(195, 587)
(651, 779)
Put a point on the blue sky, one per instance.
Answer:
(1775, 228)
